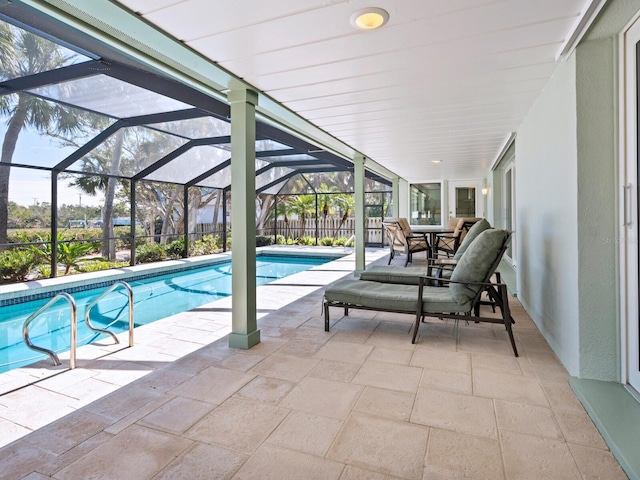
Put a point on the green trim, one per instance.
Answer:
(244, 341)
(616, 414)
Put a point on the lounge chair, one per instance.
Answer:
(456, 300)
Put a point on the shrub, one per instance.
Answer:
(339, 242)
(69, 253)
(44, 270)
(326, 241)
(123, 235)
(307, 241)
(28, 235)
(175, 249)
(264, 240)
(152, 252)
(102, 265)
(207, 245)
(16, 264)
(282, 240)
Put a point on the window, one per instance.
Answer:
(425, 205)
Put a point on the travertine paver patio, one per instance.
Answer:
(358, 402)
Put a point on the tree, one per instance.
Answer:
(23, 53)
(326, 198)
(108, 243)
(283, 209)
(345, 203)
(303, 206)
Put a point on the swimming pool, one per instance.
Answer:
(155, 296)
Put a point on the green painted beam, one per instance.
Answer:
(358, 191)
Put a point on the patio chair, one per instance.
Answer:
(456, 300)
(437, 267)
(449, 243)
(449, 263)
(402, 239)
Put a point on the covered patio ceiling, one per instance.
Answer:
(434, 94)
(443, 80)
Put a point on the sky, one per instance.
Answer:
(30, 187)
(27, 186)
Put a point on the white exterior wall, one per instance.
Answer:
(546, 218)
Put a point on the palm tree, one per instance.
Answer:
(23, 53)
(345, 203)
(326, 199)
(303, 206)
(283, 209)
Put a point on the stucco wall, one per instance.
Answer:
(596, 79)
(546, 218)
(598, 131)
(567, 160)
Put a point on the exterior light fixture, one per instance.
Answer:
(485, 189)
(436, 161)
(369, 18)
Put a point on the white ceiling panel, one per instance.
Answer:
(444, 79)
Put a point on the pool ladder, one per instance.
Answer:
(74, 322)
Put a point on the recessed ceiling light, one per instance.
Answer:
(436, 161)
(369, 18)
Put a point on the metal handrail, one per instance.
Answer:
(100, 297)
(74, 330)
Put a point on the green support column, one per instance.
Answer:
(244, 331)
(403, 198)
(395, 195)
(358, 191)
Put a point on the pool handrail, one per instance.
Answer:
(74, 330)
(100, 297)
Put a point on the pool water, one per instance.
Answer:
(154, 298)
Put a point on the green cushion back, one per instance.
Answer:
(475, 263)
(475, 230)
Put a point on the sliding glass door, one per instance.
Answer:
(629, 214)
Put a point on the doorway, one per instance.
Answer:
(463, 199)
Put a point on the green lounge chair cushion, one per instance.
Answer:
(475, 230)
(394, 297)
(394, 274)
(450, 263)
(475, 264)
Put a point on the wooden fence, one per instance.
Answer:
(328, 227)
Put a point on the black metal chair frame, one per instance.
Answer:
(409, 244)
(445, 246)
